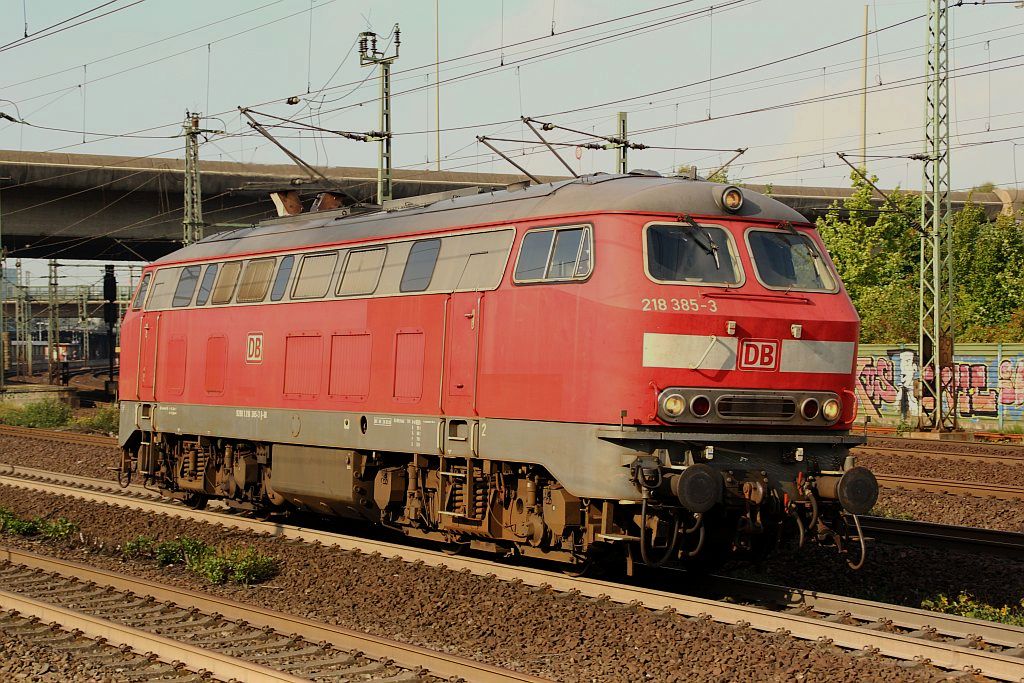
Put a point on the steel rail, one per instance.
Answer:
(62, 437)
(955, 487)
(945, 655)
(1008, 544)
(222, 666)
(376, 647)
(868, 611)
(78, 481)
(971, 456)
(978, 437)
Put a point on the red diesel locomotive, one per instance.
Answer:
(633, 362)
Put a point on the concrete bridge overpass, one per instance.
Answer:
(82, 206)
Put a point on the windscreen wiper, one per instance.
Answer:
(710, 247)
(804, 240)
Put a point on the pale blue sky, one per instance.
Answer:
(680, 45)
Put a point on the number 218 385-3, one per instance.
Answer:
(679, 305)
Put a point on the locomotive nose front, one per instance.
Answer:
(751, 354)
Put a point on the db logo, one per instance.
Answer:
(254, 348)
(759, 354)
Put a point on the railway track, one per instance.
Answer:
(970, 540)
(61, 437)
(954, 487)
(946, 641)
(97, 657)
(231, 640)
(972, 452)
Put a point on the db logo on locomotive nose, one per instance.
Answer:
(759, 354)
(254, 347)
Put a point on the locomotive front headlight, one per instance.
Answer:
(809, 408)
(674, 405)
(830, 409)
(700, 406)
(732, 199)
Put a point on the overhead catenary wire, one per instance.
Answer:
(452, 59)
(42, 34)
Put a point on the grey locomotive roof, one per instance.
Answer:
(600, 192)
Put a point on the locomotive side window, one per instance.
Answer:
(565, 254)
(314, 278)
(140, 297)
(162, 290)
(206, 286)
(256, 280)
(473, 262)
(533, 255)
(686, 254)
(284, 272)
(226, 280)
(554, 254)
(361, 272)
(789, 260)
(419, 267)
(187, 282)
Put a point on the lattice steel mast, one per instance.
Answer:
(938, 376)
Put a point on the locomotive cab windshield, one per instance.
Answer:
(790, 261)
(690, 253)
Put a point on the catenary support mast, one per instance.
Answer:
(369, 55)
(938, 376)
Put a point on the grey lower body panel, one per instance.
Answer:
(585, 465)
(589, 460)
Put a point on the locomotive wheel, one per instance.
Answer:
(196, 501)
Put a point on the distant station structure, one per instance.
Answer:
(110, 208)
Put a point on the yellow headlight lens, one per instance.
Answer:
(732, 198)
(831, 409)
(674, 405)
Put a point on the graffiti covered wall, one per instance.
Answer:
(990, 381)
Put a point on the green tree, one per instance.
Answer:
(877, 255)
(988, 272)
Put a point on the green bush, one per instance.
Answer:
(884, 511)
(179, 551)
(966, 606)
(5, 519)
(239, 566)
(250, 566)
(59, 530)
(214, 568)
(47, 414)
(138, 547)
(104, 421)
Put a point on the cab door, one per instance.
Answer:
(462, 355)
(149, 347)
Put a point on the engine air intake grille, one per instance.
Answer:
(756, 407)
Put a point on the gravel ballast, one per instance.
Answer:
(67, 458)
(559, 636)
